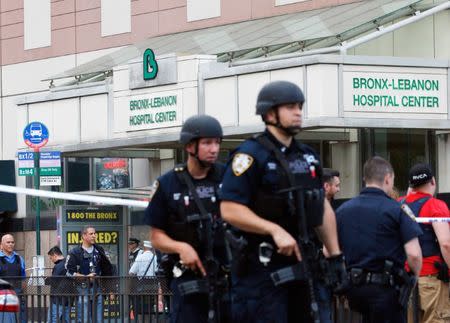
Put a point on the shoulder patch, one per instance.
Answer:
(407, 210)
(155, 185)
(241, 162)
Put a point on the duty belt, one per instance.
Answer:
(360, 277)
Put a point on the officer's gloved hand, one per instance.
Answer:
(338, 279)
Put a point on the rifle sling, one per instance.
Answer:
(188, 181)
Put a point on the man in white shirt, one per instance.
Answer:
(145, 263)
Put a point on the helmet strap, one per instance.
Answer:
(290, 131)
(202, 163)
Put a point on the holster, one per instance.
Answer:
(443, 271)
(239, 253)
(407, 283)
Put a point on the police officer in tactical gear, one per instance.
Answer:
(377, 237)
(180, 227)
(272, 194)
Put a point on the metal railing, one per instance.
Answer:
(110, 299)
(93, 300)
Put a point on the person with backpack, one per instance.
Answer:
(435, 243)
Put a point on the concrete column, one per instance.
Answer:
(345, 159)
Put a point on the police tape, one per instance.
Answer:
(429, 220)
(73, 196)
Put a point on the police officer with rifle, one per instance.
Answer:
(186, 226)
(273, 197)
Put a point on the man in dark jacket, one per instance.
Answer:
(12, 268)
(59, 308)
(85, 262)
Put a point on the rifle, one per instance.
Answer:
(212, 283)
(296, 194)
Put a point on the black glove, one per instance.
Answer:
(338, 277)
(443, 271)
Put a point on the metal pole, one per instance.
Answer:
(38, 202)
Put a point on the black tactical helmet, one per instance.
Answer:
(276, 93)
(201, 126)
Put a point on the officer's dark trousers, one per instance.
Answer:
(376, 303)
(256, 300)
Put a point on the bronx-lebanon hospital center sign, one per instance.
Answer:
(398, 90)
(155, 110)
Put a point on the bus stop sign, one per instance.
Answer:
(35, 135)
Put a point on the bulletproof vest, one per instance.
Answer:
(276, 199)
(191, 232)
(90, 262)
(10, 269)
(428, 240)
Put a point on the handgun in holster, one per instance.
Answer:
(239, 253)
(407, 282)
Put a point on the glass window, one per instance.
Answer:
(78, 172)
(403, 149)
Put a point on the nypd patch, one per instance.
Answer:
(241, 162)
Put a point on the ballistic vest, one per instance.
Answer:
(428, 240)
(191, 232)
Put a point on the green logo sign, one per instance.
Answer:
(150, 65)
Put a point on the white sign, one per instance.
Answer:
(50, 180)
(152, 111)
(395, 91)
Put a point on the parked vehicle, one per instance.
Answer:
(9, 302)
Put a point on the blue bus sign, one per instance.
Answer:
(35, 135)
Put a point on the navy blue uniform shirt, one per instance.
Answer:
(256, 179)
(255, 168)
(372, 228)
(169, 196)
(172, 199)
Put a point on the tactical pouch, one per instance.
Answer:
(292, 273)
(239, 253)
(313, 200)
(357, 276)
(196, 286)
